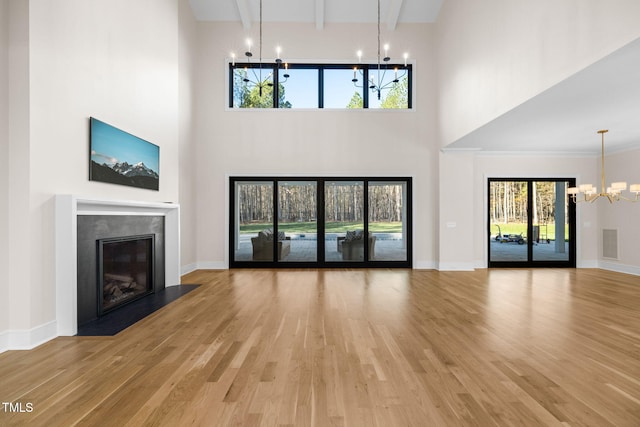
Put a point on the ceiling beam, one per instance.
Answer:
(393, 14)
(319, 14)
(245, 16)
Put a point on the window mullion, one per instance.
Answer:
(276, 86)
(365, 87)
(320, 87)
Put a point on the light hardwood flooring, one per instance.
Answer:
(353, 348)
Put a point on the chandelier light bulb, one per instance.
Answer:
(278, 60)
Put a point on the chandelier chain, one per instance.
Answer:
(260, 35)
(377, 83)
(378, 43)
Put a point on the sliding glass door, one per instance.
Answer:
(387, 220)
(344, 221)
(252, 216)
(552, 233)
(531, 222)
(297, 221)
(508, 219)
(352, 222)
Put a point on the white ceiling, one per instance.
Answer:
(314, 11)
(563, 119)
(566, 117)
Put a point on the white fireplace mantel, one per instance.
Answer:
(68, 207)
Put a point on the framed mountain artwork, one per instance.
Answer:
(117, 157)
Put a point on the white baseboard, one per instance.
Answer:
(4, 341)
(424, 265)
(189, 268)
(620, 268)
(203, 265)
(212, 265)
(29, 338)
(589, 263)
(221, 265)
(456, 266)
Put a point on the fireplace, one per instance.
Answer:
(125, 270)
(79, 222)
(120, 258)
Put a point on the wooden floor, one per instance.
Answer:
(353, 348)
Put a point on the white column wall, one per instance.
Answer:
(186, 94)
(457, 211)
(4, 168)
(312, 142)
(18, 270)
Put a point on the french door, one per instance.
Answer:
(316, 221)
(531, 222)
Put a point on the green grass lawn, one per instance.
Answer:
(517, 228)
(330, 227)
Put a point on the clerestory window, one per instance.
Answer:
(373, 86)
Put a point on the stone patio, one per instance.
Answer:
(388, 247)
(511, 251)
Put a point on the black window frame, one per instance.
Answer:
(321, 262)
(530, 262)
(275, 67)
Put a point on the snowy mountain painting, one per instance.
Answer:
(117, 157)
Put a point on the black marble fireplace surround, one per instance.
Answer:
(92, 228)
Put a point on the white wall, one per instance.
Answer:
(116, 60)
(623, 216)
(19, 270)
(298, 142)
(463, 202)
(186, 98)
(492, 56)
(457, 213)
(4, 167)
(495, 54)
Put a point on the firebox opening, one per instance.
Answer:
(125, 270)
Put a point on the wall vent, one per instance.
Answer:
(610, 243)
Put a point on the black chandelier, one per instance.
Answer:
(377, 84)
(257, 80)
